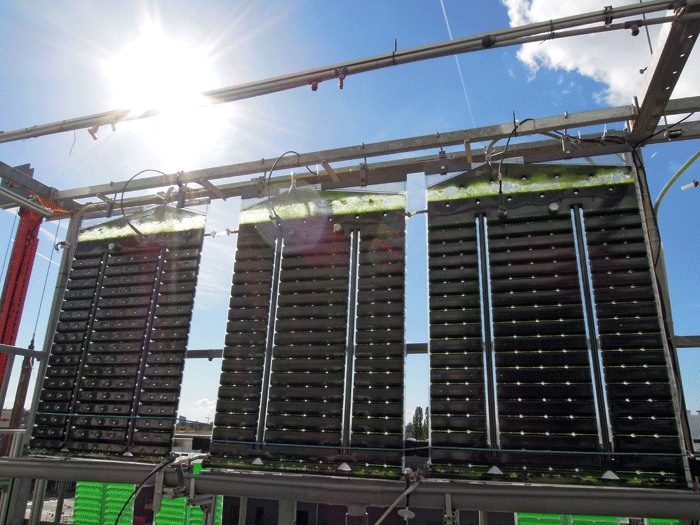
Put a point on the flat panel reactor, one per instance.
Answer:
(313, 366)
(547, 356)
(115, 368)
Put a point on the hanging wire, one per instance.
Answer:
(514, 133)
(46, 280)
(121, 202)
(9, 241)
(268, 178)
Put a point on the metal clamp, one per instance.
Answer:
(608, 12)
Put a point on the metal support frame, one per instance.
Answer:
(605, 439)
(664, 72)
(610, 142)
(465, 495)
(287, 512)
(350, 338)
(588, 23)
(482, 496)
(655, 250)
(450, 517)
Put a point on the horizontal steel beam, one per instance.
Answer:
(686, 341)
(393, 171)
(466, 495)
(362, 151)
(392, 147)
(202, 354)
(7, 349)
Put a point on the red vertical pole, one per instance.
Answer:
(17, 280)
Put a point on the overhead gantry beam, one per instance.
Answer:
(596, 22)
(610, 142)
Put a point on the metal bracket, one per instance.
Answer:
(450, 517)
(208, 505)
(608, 12)
(566, 145)
(363, 174)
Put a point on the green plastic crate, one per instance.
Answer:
(99, 503)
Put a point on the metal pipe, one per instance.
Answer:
(466, 495)
(509, 36)
(6, 376)
(37, 502)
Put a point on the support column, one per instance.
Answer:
(357, 515)
(287, 512)
(59, 501)
(242, 510)
(37, 502)
(19, 271)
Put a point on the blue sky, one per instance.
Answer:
(58, 62)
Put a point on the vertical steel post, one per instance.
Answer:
(6, 378)
(661, 293)
(605, 437)
(17, 278)
(242, 510)
(489, 351)
(287, 512)
(37, 502)
(59, 501)
(357, 515)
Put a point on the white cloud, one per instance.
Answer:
(199, 410)
(613, 59)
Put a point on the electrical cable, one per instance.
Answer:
(669, 128)
(268, 178)
(170, 459)
(9, 242)
(121, 202)
(501, 208)
(46, 279)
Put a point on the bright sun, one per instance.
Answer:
(155, 72)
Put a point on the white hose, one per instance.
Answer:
(393, 505)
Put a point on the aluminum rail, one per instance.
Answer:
(362, 151)
(15, 350)
(486, 496)
(377, 149)
(504, 37)
(610, 142)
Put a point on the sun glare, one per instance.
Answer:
(155, 72)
